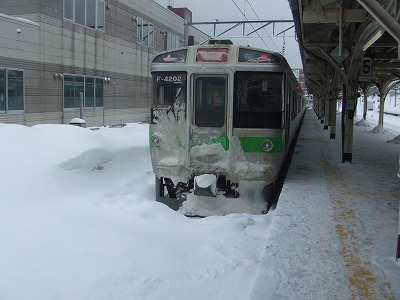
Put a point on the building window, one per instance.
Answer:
(100, 15)
(11, 90)
(69, 9)
(145, 33)
(99, 92)
(80, 12)
(89, 89)
(89, 92)
(89, 13)
(172, 41)
(3, 94)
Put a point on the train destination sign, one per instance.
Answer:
(212, 55)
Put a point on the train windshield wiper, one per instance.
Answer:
(171, 108)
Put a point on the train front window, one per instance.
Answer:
(210, 101)
(258, 101)
(169, 88)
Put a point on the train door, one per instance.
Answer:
(209, 121)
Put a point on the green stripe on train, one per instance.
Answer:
(249, 144)
(223, 140)
(253, 144)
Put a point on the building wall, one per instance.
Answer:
(48, 48)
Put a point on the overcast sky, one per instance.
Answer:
(228, 10)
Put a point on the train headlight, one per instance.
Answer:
(155, 140)
(267, 145)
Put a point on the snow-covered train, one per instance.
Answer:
(222, 120)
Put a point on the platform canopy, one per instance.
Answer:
(354, 40)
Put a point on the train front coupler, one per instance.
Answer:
(210, 185)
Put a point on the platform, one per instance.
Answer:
(340, 219)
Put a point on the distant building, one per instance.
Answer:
(53, 53)
(183, 12)
(299, 73)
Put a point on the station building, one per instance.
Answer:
(59, 55)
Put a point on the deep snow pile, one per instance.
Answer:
(78, 220)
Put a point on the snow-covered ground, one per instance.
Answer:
(78, 220)
(334, 232)
(389, 121)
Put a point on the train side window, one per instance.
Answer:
(258, 101)
(293, 105)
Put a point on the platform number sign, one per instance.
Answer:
(366, 68)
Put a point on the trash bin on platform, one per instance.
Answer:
(78, 122)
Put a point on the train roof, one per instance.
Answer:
(219, 53)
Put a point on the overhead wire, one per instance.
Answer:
(244, 15)
(248, 1)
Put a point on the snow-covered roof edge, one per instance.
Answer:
(19, 19)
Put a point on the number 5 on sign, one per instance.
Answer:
(366, 67)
